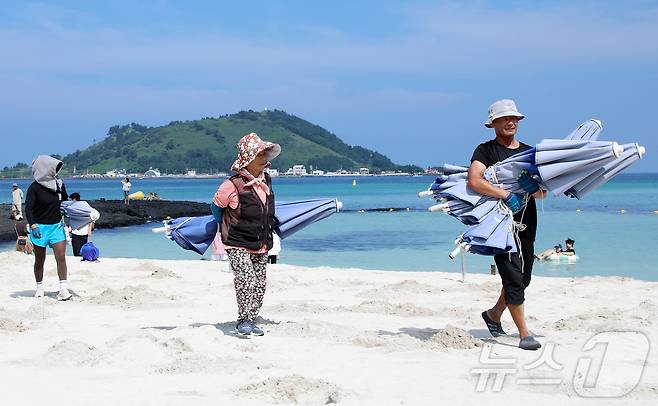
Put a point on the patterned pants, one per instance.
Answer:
(249, 278)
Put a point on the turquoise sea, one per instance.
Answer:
(608, 242)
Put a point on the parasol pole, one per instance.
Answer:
(462, 251)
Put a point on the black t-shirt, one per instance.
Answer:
(491, 152)
(42, 204)
(570, 250)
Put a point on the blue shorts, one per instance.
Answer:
(50, 234)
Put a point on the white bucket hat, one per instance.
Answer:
(502, 108)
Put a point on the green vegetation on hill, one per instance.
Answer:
(209, 145)
(20, 170)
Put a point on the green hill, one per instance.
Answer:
(209, 145)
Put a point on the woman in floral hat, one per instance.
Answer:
(247, 224)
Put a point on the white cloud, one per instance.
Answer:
(450, 38)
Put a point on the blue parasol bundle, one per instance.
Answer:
(197, 233)
(574, 166)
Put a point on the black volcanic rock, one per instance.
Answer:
(116, 214)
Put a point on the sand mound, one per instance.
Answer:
(129, 295)
(149, 267)
(163, 273)
(389, 343)
(177, 345)
(71, 353)
(415, 339)
(292, 389)
(387, 308)
(156, 271)
(11, 325)
(407, 286)
(570, 323)
(454, 337)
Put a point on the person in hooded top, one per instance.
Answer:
(247, 225)
(42, 212)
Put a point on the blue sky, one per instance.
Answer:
(411, 79)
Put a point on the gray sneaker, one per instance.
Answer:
(255, 330)
(243, 327)
(529, 343)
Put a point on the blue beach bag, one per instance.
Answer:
(89, 252)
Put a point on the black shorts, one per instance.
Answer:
(514, 275)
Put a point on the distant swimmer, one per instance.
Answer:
(558, 250)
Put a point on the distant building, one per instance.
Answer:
(364, 171)
(152, 173)
(272, 172)
(318, 172)
(297, 170)
(190, 173)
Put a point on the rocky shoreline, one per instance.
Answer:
(116, 214)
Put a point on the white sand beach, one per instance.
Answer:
(149, 332)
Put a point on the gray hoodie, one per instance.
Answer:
(45, 169)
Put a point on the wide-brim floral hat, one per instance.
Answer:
(251, 145)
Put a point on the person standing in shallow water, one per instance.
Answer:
(247, 224)
(515, 269)
(42, 211)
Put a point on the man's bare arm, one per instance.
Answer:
(479, 184)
